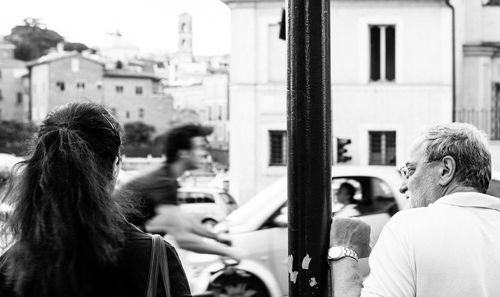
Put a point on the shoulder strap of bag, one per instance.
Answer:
(153, 268)
(163, 262)
(158, 259)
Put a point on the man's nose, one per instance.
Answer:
(404, 187)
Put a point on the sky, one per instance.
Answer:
(150, 24)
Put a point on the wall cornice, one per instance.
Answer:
(481, 50)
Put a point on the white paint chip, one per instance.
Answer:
(306, 261)
(313, 282)
(293, 274)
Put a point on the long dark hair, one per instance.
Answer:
(64, 224)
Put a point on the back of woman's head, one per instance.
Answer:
(65, 224)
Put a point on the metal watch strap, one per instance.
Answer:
(351, 253)
(346, 252)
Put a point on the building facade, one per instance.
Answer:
(134, 96)
(13, 95)
(386, 83)
(477, 32)
(65, 77)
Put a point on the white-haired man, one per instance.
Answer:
(447, 243)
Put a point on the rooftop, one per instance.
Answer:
(130, 74)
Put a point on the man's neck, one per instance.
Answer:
(176, 169)
(456, 188)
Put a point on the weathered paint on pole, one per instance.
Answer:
(309, 146)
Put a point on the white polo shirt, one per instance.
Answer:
(450, 248)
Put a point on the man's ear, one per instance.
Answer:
(447, 172)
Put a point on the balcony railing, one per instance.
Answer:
(487, 120)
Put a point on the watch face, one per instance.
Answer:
(335, 252)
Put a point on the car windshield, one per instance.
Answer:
(272, 195)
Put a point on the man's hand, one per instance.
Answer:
(351, 233)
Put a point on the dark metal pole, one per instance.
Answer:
(309, 134)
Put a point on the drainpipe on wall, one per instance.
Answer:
(453, 67)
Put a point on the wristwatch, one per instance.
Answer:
(339, 252)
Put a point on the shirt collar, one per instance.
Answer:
(471, 199)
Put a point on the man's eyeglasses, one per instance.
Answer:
(406, 171)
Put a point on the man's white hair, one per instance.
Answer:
(468, 146)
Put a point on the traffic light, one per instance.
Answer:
(342, 150)
(283, 25)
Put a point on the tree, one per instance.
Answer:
(75, 46)
(14, 136)
(138, 133)
(33, 40)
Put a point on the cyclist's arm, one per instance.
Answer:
(170, 218)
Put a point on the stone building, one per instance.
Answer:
(13, 94)
(386, 82)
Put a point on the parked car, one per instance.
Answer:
(259, 226)
(208, 205)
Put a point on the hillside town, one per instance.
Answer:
(365, 132)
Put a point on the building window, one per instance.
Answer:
(119, 89)
(127, 114)
(382, 147)
(60, 85)
(382, 53)
(278, 148)
(210, 113)
(1, 95)
(19, 99)
(138, 90)
(141, 113)
(80, 85)
(220, 112)
(75, 65)
(495, 112)
(98, 84)
(0, 73)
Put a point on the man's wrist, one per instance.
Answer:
(336, 253)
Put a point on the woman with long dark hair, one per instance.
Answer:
(69, 237)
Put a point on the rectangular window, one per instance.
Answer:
(60, 85)
(80, 85)
(127, 114)
(141, 113)
(278, 148)
(382, 145)
(1, 95)
(495, 112)
(119, 89)
(382, 53)
(138, 90)
(19, 99)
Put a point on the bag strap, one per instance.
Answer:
(153, 269)
(158, 259)
(163, 262)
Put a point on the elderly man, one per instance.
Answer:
(447, 243)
